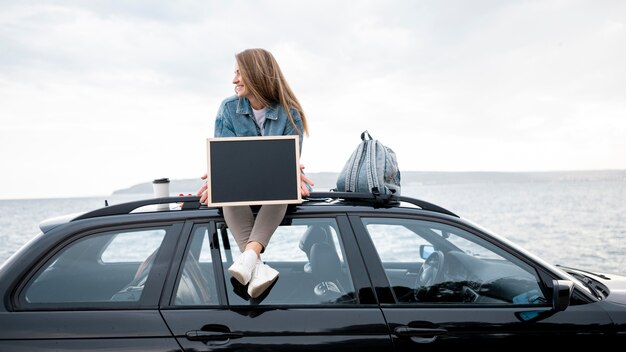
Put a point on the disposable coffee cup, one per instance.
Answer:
(161, 188)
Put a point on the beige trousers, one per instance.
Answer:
(246, 228)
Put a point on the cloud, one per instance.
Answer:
(99, 95)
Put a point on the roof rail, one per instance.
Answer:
(189, 202)
(381, 200)
(193, 203)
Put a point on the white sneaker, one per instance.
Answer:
(262, 277)
(243, 266)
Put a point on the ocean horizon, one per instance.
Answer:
(571, 218)
(325, 180)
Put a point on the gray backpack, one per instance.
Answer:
(372, 168)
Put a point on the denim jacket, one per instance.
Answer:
(235, 119)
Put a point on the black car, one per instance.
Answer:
(359, 272)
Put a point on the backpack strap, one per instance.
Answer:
(365, 133)
(370, 165)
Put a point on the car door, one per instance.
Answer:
(322, 299)
(97, 290)
(451, 287)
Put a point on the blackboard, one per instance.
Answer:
(253, 170)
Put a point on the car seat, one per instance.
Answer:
(326, 268)
(193, 288)
(315, 233)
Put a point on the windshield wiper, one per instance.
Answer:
(585, 271)
(593, 285)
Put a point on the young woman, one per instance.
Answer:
(264, 105)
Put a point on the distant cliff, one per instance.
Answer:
(325, 181)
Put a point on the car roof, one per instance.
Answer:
(184, 203)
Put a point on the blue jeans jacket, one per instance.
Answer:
(235, 119)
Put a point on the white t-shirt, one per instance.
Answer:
(259, 116)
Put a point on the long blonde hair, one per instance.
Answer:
(262, 76)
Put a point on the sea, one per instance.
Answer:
(575, 219)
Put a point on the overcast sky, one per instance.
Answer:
(100, 95)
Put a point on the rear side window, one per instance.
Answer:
(96, 270)
(310, 257)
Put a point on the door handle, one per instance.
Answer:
(200, 335)
(406, 331)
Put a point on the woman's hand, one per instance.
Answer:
(202, 191)
(305, 183)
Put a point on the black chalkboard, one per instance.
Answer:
(253, 170)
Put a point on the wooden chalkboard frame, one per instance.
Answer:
(253, 170)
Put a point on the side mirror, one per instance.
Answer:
(426, 250)
(561, 294)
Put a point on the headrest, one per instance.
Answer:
(314, 234)
(325, 261)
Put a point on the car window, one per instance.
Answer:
(123, 247)
(308, 254)
(429, 262)
(196, 282)
(98, 268)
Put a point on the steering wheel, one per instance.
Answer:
(431, 271)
